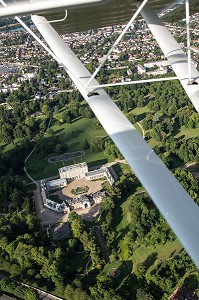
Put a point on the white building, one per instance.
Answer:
(57, 183)
(141, 69)
(74, 172)
(100, 173)
(160, 63)
(161, 68)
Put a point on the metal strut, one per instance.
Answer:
(117, 41)
(173, 52)
(134, 82)
(59, 20)
(30, 7)
(190, 81)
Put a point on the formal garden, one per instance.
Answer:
(80, 190)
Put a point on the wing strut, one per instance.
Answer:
(117, 41)
(188, 41)
(173, 52)
(177, 207)
(28, 7)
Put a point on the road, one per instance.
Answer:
(48, 217)
(143, 133)
(99, 236)
(42, 295)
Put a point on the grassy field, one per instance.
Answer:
(44, 169)
(140, 112)
(151, 255)
(179, 13)
(72, 136)
(187, 133)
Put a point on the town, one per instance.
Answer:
(19, 52)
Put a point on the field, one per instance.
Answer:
(73, 137)
(179, 13)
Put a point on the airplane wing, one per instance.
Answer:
(82, 14)
(109, 13)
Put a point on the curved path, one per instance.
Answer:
(41, 293)
(100, 238)
(41, 212)
(143, 132)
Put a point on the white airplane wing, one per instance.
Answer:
(82, 14)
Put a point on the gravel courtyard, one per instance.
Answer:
(94, 186)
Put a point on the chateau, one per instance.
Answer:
(69, 174)
(78, 171)
(74, 172)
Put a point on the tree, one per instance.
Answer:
(143, 295)
(30, 294)
(69, 292)
(132, 117)
(189, 183)
(72, 293)
(96, 144)
(112, 151)
(45, 109)
(172, 110)
(101, 292)
(96, 124)
(65, 117)
(77, 225)
(85, 144)
(23, 255)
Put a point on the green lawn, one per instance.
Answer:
(142, 254)
(125, 268)
(137, 127)
(140, 112)
(43, 168)
(187, 133)
(73, 136)
(126, 215)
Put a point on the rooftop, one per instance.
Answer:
(183, 293)
(72, 167)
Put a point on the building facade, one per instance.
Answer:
(74, 172)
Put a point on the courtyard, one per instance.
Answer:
(94, 187)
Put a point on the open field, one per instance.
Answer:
(44, 169)
(187, 133)
(140, 110)
(72, 136)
